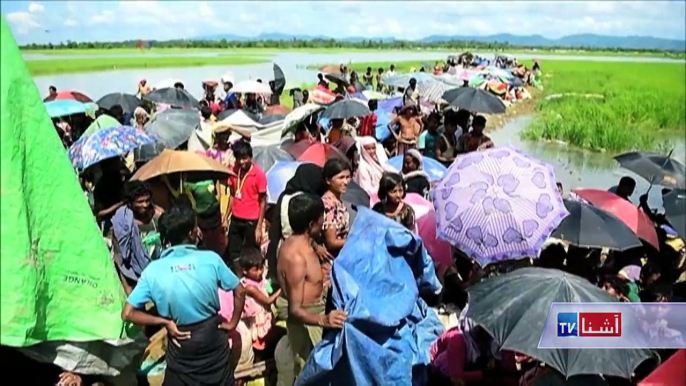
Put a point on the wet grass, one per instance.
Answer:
(66, 66)
(612, 106)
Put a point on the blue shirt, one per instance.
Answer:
(183, 284)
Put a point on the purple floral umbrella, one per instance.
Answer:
(498, 204)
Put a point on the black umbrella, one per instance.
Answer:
(656, 168)
(475, 100)
(127, 102)
(591, 227)
(279, 80)
(675, 210)
(355, 195)
(266, 156)
(172, 96)
(513, 309)
(172, 128)
(345, 109)
(267, 119)
(337, 78)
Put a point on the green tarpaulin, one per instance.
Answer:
(58, 281)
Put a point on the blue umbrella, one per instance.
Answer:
(107, 143)
(277, 177)
(433, 168)
(65, 107)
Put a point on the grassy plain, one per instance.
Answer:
(612, 106)
(333, 50)
(65, 66)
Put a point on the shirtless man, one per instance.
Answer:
(302, 279)
(410, 123)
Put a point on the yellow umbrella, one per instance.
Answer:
(177, 161)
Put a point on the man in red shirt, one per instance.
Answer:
(249, 202)
(368, 122)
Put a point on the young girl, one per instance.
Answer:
(257, 313)
(391, 205)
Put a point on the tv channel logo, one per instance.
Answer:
(589, 324)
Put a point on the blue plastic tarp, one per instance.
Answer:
(377, 278)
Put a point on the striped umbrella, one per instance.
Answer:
(433, 91)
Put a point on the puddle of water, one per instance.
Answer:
(578, 168)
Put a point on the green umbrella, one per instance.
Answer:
(103, 122)
(476, 81)
(58, 282)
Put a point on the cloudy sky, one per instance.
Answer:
(55, 21)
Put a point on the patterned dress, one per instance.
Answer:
(336, 215)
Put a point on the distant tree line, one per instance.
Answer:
(456, 45)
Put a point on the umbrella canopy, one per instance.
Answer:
(403, 80)
(591, 227)
(171, 128)
(106, 143)
(266, 156)
(277, 110)
(498, 204)
(433, 91)
(66, 107)
(127, 102)
(322, 96)
(251, 87)
(314, 152)
(102, 122)
(356, 195)
(675, 210)
(337, 77)
(277, 178)
(227, 113)
(298, 115)
(149, 150)
(347, 108)
(68, 95)
(654, 167)
(630, 215)
(172, 96)
(475, 100)
(279, 80)
(176, 161)
(513, 306)
(433, 168)
(669, 373)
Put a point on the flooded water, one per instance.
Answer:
(578, 168)
(293, 64)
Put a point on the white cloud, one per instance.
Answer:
(71, 23)
(35, 7)
(104, 17)
(22, 22)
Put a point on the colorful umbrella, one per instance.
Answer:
(66, 107)
(102, 122)
(669, 373)
(630, 215)
(277, 110)
(315, 152)
(106, 143)
(498, 204)
(277, 178)
(433, 168)
(68, 95)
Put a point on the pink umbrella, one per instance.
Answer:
(467, 75)
(440, 250)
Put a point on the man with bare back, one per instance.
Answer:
(410, 126)
(302, 279)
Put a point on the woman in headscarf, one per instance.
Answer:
(347, 146)
(221, 151)
(370, 168)
(140, 117)
(307, 179)
(413, 172)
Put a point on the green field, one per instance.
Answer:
(66, 66)
(605, 106)
(270, 51)
(635, 106)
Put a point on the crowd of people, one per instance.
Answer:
(232, 279)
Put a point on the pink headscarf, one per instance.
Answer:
(369, 171)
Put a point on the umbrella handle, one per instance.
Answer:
(652, 179)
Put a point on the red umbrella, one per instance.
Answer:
(69, 95)
(277, 109)
(670, 373)
(315, 152)
(630, 215)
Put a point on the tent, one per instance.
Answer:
(58, 280)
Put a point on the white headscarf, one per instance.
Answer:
(369, 171)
